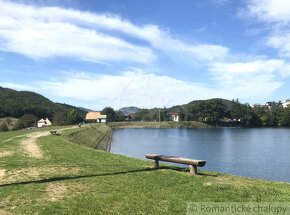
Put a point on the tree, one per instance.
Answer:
(120, 116)
(181, 115)
(59, 119)
(111, 114)
(245, 113)
(285, 117)
(28, 120)
(73, 117)
(3, 127)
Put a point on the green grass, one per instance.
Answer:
(73, 179)
(89, 135)
(167, 124)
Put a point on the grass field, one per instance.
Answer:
(166, 124)
(73, 179)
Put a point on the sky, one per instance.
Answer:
(152, 53)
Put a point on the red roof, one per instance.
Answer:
(173, 113)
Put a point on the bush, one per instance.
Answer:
(3, 127)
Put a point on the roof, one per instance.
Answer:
(93, 115)
(42, 120)
(102, 117)
(173, 113)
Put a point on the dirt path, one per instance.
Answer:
(30, 145)
(4, 154)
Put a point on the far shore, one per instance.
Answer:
(166, 124)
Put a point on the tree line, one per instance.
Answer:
(221, 112)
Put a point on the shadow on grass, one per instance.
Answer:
(62, 178)
(185, 170)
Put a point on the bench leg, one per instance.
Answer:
(193, 170)
(155, 164)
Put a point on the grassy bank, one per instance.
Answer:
(73, 179)
(167, 124)
(89, 135)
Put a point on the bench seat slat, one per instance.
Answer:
(199, 163)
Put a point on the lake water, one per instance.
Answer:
(260, 153)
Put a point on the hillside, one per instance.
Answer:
(17, 103)
(129, 110)
(225, 102)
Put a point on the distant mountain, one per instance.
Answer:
(129, 110)
(17, 103)
(85, 109)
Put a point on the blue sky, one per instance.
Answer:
(146, 53)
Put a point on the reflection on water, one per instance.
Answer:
(260, 153)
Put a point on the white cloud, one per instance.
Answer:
(281, 42)
(275, 14)
(16, 86)
(129, 88)
(250, 79)
(40, 32)
(255, 80)
(268, 10)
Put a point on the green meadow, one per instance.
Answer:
(67, 176)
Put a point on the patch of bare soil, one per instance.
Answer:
(5, 154)
(2, 212)
(55, 192)
(30, 145)
(34, 173)
(2, 173)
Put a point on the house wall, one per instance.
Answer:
(176, 118)
(40, 124)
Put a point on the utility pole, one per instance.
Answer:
(159, 115)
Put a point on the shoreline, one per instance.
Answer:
(166, 124)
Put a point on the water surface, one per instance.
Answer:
(259, 153)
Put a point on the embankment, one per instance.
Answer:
(97, 136)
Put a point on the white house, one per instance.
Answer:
(285, 103)
(174, 116)
(102, 118)
(43, 123)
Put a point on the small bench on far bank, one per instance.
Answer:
(54, 132)
(193, 164)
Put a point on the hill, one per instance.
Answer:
(129, 110)
(225, 102)
(17, 103)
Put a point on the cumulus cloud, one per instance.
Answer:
(132, 87)
(33, 32)
(268, 10)
(40, 32)
(250, 79)
(254, 80)
(16, 86)
(275, 14)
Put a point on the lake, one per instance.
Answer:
(260, 153)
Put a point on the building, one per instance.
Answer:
(270, 104)
(96, 116)
(43, 123)
(93, 115)
(102, 118)
(285, 103)
(174, 116)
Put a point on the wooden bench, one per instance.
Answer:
(193, 164)
(53, 132)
